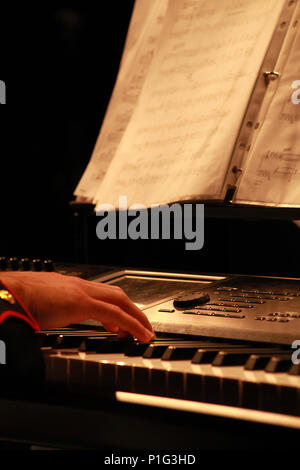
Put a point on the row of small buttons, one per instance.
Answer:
(25, 264)
(213, 314)
(279, 319)
(256, 291)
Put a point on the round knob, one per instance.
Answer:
(37, 265)
(3, 263)
(191, 300)
(48, 265)
(14, 263)
(25, 262)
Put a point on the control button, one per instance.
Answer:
(167, 310)
(48, 265)
(227, 289)
(191, 300)
(25, 263)
(37, 265)
(3, 263)
(14, 263)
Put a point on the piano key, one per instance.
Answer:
(141, 380)
(294, 369)
(270, 397)
(135, 348)
(92, 377)
(105, 345)
(187, 350)
(76, 375)
(211, 392)
(124, 378)
(229, 391)
(175, 384)
(289, 400)
(108, 376)
(184, 379)
(256, 362)
(155, 350)
(207, 355)
(174, 353)
(279, 364)
(239, 356)
(158, 379)
(194, 387)
(57, 372)
(68, 342)
(250, 395)
(204, 356)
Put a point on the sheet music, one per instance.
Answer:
(144, 30)
(272, 172)
(179, 141)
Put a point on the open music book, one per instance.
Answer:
(206, 103)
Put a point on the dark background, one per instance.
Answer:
(59, 64)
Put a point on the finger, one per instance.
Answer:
(112, 314)
(123, 334)
(110, 327)
(117, 296)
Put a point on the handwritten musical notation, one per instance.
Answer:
(272, 172)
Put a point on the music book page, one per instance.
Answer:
(144, 30)
(272, 172)
(179, 141)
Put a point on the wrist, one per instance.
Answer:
(11, 301)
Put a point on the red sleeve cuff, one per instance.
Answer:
(11, 306)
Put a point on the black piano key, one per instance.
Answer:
(225, 358)
(135, 348)
(105, 345)
(204, 356)
(238, 357)
(257, 362)
(187, 350)
(156, 347)
(46, 339)
(68, 342)
(175, 353)
(279, 364)
(155, 350)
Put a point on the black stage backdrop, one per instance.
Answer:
(59, 64)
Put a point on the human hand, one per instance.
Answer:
(55, 300)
